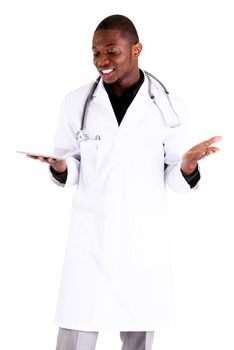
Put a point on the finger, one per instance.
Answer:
(30, 156)
(46, 160)
(42, 159)
(213, 140)
(207, 152)
(206, 143)
(51, 160)
(34, 157)
(212, 150)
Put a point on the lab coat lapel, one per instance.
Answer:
(134, 113)
(101, 97)
(137, 109)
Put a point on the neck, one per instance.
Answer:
(122, 86)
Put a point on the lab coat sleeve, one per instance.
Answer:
(178, 141)
(72, 173)
(65, 141)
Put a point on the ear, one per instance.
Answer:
(136, 49)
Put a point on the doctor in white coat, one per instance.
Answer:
(135, 142)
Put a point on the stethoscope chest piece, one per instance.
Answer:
(82, 136)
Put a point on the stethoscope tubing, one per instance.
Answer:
(81, 134)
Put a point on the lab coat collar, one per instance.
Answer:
(136, 110)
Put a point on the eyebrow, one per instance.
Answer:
(111, 44)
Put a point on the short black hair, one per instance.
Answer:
(121, 23)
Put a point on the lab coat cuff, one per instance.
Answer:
(61, 177)
(176, 180)
(192, 179)
(72, 173)
(73, 166)
(54, 180)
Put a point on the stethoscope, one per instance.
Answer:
(82, 134)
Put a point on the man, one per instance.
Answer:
(117, 272)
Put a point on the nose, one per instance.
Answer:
(102, 60)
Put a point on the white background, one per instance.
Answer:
(45, 53)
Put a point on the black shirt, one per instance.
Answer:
(120, 104)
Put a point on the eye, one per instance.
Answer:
(113, 51)
(95, 54)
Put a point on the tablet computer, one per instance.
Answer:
(44, 155)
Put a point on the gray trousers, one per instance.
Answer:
(69, 339)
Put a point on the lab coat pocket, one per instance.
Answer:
(82, 227)
(89, 154)
(95, 161)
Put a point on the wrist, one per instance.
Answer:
(58, 170)
(188, 168)
(59, 166)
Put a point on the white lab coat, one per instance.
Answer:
(117, 269)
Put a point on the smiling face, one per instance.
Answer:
(115, 58)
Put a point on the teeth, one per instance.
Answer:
(106, 71)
